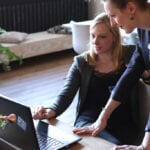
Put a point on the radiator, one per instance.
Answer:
(37, 15)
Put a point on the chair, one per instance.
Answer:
(80, 36)
(143, 104)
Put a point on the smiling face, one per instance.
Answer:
(121, 18)
(101, 39)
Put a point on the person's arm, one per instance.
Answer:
(70, 87)
(101, 122)
(146, 141)
(122, 89)
(65, 97)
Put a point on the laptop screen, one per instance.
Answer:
(21, 133)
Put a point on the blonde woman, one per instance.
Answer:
(95, 73)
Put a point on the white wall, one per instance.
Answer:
(95, 7)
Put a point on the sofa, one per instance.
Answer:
(35, 16)
(41, 43)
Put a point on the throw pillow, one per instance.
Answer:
(12, 37)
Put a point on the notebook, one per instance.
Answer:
(26, 134)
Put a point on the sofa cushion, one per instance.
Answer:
(12, 37)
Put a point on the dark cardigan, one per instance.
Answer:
(77, 80)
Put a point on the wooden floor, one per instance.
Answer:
(38, 81)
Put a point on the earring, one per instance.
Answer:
(131, 17)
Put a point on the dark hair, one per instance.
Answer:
(121, 4)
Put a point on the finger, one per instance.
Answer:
(122, 147)
(4, 117)
(41, 110)
(46, 115)
(36, 115)
(12, 118)
(80, 128)
(114, 148)
(83, 132)
(75, 130)
(39, 114)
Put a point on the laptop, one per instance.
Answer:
(27, 135)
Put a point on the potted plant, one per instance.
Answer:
(6, 55)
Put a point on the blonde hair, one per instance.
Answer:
(117, 47)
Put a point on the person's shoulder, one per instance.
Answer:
(81, 57)
(81, 60)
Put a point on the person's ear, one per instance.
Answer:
(131, 8)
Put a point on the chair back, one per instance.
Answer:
(80, 36)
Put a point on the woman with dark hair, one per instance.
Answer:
(128, 15)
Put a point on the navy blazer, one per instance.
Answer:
(140, 61)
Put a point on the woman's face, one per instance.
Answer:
(101, 39)
(120, 18)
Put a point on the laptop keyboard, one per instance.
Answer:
(48, 143)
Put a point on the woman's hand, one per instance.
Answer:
(87, 130)
(93, 129)
(43, 113)
(100, 124)
(128, 147)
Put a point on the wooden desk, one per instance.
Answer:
(87, 143)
